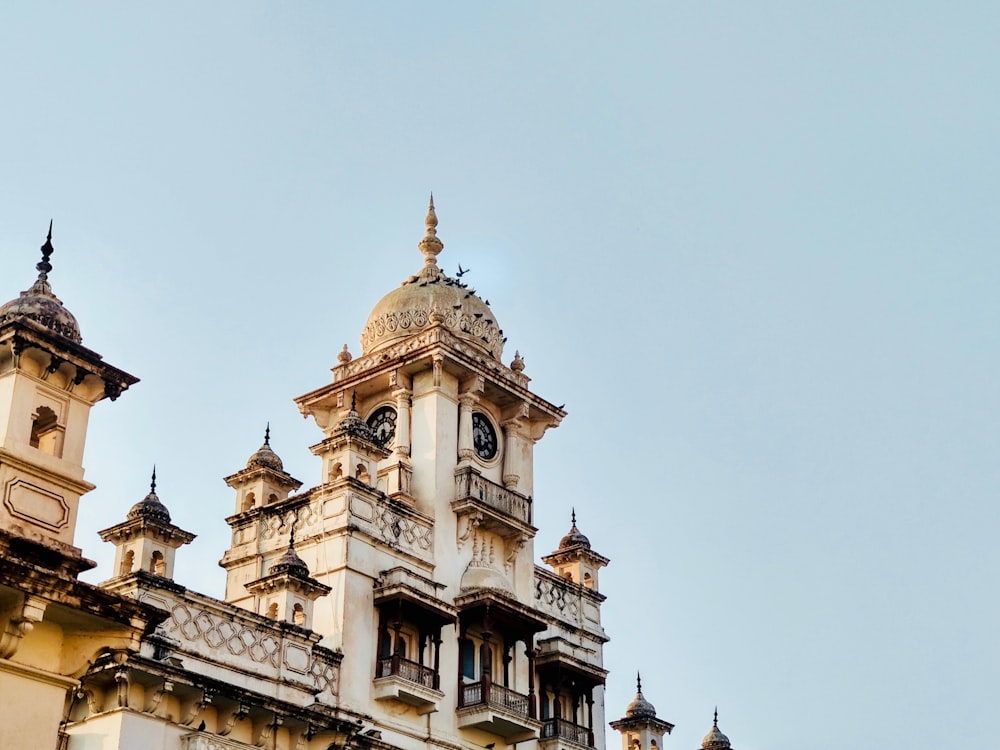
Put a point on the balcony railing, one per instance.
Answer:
(470, 485)
(396, 666)
(478, 693)
(567, 730)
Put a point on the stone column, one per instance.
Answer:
(466, 403)
(402, 396)
(512, 453)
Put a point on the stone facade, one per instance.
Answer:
(395, 604)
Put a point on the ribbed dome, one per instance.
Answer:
(640, 708)
(292, 564)
(265, 458)
(715, 739)
(40, 305)
(575, 538)
(429, 297)
(150, 506)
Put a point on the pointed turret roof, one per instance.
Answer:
(38, 303)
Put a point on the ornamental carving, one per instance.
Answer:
(458, 321)
(229, 639)
(557, 598)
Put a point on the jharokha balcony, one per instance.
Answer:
(497, 709)
(495, 507)
(563, 729)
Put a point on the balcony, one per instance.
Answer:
(562, 729)
(498, 710)
(498, 509)
(408, 682)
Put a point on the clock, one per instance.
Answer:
(383, 424)
(484, 437)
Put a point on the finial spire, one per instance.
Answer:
(43, 266)
(574, 516)
(430, 245)
(354, 401)
(267, 435)
(638, 683)
(715, 720)
(291, 536)
(152, 482)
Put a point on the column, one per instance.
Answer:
(512, 453)
(466, 403)
(402, 396)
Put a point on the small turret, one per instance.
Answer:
(575, 560)
(288, 591)
(640, 729)
(146, 540)
(264, 481)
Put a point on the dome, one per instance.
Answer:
(150, 506)
(265, 458)
(575, 538)
(715, 739)
(640, 708)
(40, 305)
(428, 298)
(291, 563)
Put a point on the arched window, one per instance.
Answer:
(248, 501)
(336, 471)
(299, 615)
(128, 560)
(588, 581)
(272, 611)
(362, 473)
(568, 576)
(157, 564)
(45, 432)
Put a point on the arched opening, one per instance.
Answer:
(568, 576)
(361, 473)
(248, 501)
(336, 471)
(128, 560)
(588, 580)
(46, 434)
(157, 565)
(299, 615)
(272, 498)
(272, 611)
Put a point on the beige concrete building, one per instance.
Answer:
(393, 605)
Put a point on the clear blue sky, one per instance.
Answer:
(751, 245)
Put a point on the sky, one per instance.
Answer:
(751, 246)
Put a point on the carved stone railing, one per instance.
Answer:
(567, 730)
(568, 602)
(478, 693)
(214, 637)
(396, 666)
(470, 484)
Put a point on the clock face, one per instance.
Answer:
(484, 437)
(383, 424)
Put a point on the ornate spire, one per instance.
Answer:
(430, 245)
(150, 506)
(39, 304)
(640, 708)
(638, 677)
(715, 739)
(265, 457)
(44, 266)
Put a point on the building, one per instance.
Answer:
(395, 605)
